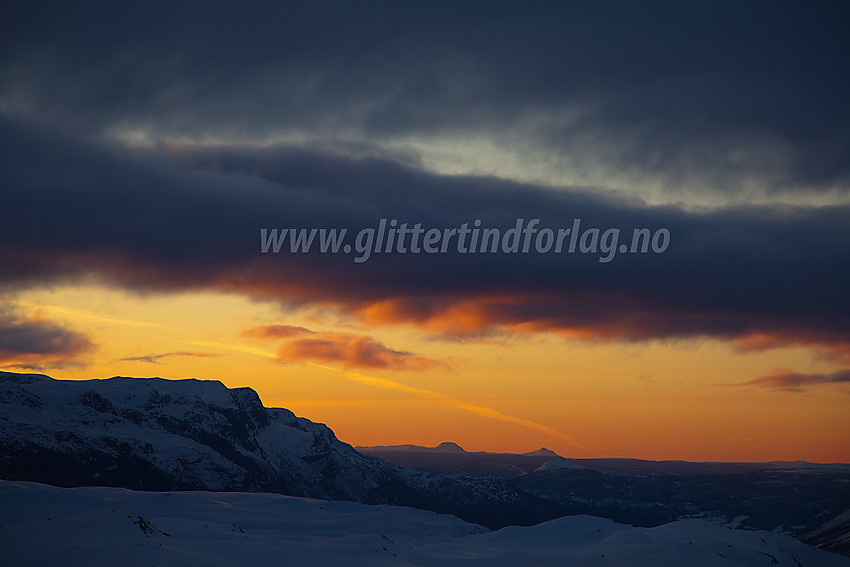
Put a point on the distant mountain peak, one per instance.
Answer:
(542, 452)
(449, 447)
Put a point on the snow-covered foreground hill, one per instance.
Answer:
(94, 526)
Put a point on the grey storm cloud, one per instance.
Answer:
(160, 222)
(719, 94)
(147, 144)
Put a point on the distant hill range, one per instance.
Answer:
(450, 457)
(166, 435)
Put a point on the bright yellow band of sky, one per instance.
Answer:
(679, 400)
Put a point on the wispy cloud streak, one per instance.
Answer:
(798, 382)
(156, 358)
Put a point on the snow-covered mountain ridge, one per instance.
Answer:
(157, 434)
(173, 434)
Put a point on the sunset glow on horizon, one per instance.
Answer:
(684, 400)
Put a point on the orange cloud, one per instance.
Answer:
(463, 317)
(829, 349)
(351, 351)
(579, 317)
(275, 332)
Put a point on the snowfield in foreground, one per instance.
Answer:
(45, 525)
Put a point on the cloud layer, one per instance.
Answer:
(769, 273)
(698, 102)
(36, 344)
(798, 382)
(347, 350)
(155, 358)
(145, 147)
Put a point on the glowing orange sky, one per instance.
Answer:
(652, 400)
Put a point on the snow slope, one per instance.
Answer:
(44, 525)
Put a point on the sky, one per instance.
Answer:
(146, 147)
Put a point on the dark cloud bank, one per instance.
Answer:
(665, 82)
(149, 224)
